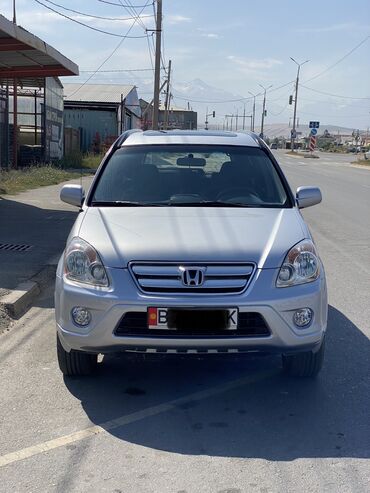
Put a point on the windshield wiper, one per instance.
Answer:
(126, 203)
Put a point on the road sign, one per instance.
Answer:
(293, 134)
(313, 131)
(314, 124)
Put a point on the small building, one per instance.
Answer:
(177, 119)
(31, 97)
(99, 112)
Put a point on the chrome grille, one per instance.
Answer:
(216, 279)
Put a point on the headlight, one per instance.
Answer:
(82, 264)
(301, 265)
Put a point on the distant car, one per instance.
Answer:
(273, 146)
(367, 155)
(190, 243)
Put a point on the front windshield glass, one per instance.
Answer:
(190, 175)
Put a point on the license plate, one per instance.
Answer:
(188, 319)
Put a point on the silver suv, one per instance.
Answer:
(190, 242)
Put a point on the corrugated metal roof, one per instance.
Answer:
(24, 55)
(96, 93)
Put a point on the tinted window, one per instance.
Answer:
(191, 174)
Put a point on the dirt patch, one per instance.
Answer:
(5, 321)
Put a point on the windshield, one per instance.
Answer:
(189, 175)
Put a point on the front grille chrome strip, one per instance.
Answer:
(167, 278)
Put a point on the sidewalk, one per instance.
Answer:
(36, 225)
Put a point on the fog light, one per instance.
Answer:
(303, 317)
(81, 316)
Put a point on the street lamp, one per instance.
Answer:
(264, 112)
(254, 108)
(293, 132)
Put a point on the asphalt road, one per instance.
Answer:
(213, 425)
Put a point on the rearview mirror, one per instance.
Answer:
(307, 196)
(73, 195)
(191, 161)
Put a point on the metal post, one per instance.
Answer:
(293, 133)
(15, 124)
(167, 96)
(292, 138)
(236, 121)
(14, 13)
(244, 117)
(263, 107)
(157, 73)
(35, 93)
(263, 113)
(254, 112)
(254, 109)
(121, 122)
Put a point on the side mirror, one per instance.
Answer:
(307, 196)
(73, 195)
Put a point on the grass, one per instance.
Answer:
(91, 161)
(362, 162)
(77, 160)
(15, 181)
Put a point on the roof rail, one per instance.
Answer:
(125, 135)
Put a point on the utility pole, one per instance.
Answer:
(254, 109)
(14, 13)
(167, 104)
(293, 133)
(263, 108)
(157, 72)
(244, 117)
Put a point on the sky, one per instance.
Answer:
(231, 46)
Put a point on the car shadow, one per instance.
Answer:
(36, 234)
(267, 416)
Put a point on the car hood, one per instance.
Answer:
(192, 234)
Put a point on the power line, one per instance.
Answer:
(248, 98)
(330, 94)
(130, 10)
(121, 5)
(213, 102)
(338, 61)
(280, 112)
(93, 15)
(118, 70)
(111, 54)
(86, 25)
(150, 53)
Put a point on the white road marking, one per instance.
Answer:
(127, 419)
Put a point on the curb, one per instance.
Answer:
(18, 301)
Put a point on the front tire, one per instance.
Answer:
(75, 363)
(307, 364)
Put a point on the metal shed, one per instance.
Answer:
(100, 112)
(30, 94)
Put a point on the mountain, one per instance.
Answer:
(204, 98)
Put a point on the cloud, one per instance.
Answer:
(211, 35)
(326, 29)
(176, 19)
(254, 65)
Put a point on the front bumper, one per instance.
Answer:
(108, 305)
